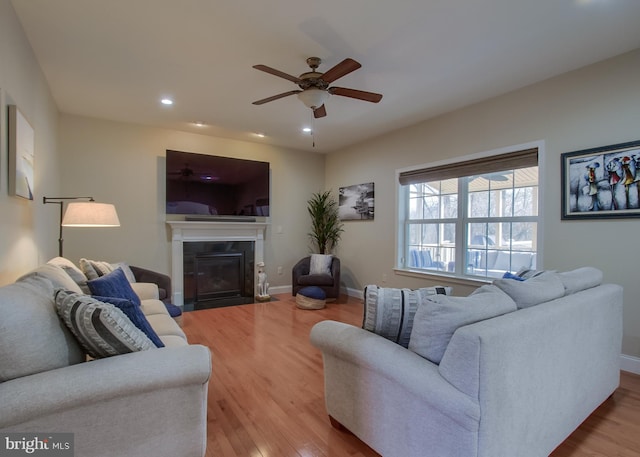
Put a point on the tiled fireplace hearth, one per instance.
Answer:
(212, 234)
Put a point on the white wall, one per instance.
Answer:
(28, 229)
(595, 106)
(124, 164)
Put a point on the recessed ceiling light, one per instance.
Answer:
(166, 101)
(306, 130)
(260, 135)
(199, 124)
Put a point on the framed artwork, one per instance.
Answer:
(21, 154)
(356, 202)
(602, 182)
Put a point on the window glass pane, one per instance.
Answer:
(497, 244)
(479, 204)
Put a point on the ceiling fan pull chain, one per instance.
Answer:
(313, 130)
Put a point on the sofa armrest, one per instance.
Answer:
(139, 373)
(162, 280)
(146, 290)
(392, 361)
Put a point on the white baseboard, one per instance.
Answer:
(630, 364)
(279, 290)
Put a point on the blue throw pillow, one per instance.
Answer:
(114, 284)
(509, 275)
(135, 315)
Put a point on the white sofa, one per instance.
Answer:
(513, 385)
(152, 402)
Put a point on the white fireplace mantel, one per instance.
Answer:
(192, 231)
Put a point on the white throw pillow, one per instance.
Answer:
(439, 316)
(320, 264)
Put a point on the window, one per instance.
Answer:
(474, 218)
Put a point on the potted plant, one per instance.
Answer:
(326, 227)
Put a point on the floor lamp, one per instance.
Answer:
(85, 213)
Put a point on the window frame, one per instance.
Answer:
(462, 221)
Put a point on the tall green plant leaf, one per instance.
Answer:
(326, 227)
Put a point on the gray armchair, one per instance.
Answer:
(301, 278)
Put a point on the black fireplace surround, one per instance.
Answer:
(218, 273)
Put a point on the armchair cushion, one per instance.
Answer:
(320, 264)
(114, 284)
(301, 277)
(101, 329)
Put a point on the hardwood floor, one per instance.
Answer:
(266, 389)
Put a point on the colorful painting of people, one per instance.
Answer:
(605, 182)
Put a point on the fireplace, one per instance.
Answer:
(218, 273)
(187, 235)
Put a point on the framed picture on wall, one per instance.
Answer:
(356, 202)
(601, 182)
(21, 154)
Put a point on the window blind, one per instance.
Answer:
(484, 165)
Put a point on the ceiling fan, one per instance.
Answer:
(314, 86)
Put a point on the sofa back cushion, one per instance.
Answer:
(439, 316)
(58, 277)
(32, 337)
(542, 288)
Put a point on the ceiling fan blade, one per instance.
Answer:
(276, 97)
(320, 112)
(273, 71)
(359, 94)
(343, 68)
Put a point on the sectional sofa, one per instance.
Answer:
(141, 403)
(511, 370)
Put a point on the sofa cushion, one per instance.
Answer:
(73, 271)
(580, 279)
(135, 315)
(57, 276)
(539, 289)
(113, 284)
(32, 337)
(101, 329)
(93, 269)
(390, 312)
(439, 316)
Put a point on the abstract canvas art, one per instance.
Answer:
(602, 182)
(21, 154)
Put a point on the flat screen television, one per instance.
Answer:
(208, 185)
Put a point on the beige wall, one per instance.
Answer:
(28, 229)
(595, 106)
(124, 164)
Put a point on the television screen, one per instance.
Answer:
(202, 184)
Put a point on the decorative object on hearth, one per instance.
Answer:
(87, 213)
(263, 285)
(326, 228)
(314, 86)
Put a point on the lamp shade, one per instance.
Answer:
(90, 214)
(313, 98)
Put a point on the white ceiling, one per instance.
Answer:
(115, 59)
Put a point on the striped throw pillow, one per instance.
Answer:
(101, 329)
(389, 312)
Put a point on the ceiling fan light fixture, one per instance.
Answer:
(313, 98)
